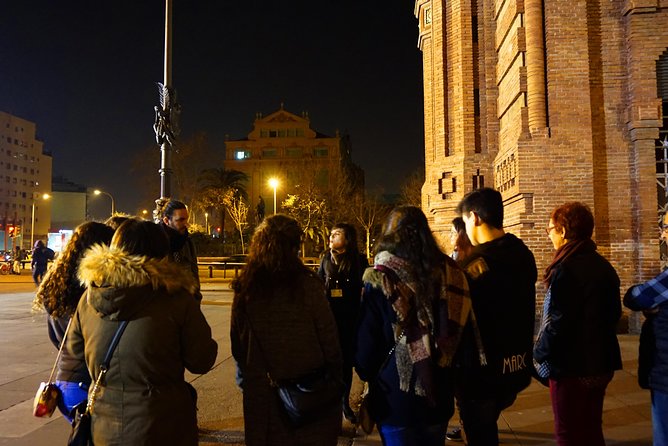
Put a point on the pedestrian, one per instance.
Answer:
(59, 295)
(174, 220)
(281, 324)
(462, 248)
(41, 256)
(415, 305)
(341, 268)
(144, 398)
(577, 344)
(502, 276)
(17, 257)
(651, 298)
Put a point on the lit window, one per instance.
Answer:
(242, 154)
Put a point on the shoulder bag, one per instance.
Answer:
(81, 434)
(305, 398)
(364, 417)
(48, 394)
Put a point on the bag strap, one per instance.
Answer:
(272, 383)
(389, 355)
(60, 350)
(104, 365)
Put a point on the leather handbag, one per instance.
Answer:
(48, 393)
(81, 434)
(305, 398)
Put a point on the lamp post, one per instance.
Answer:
(273, 182)
(206, 222)
(113, 204)
(32, 219)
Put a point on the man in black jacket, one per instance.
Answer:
(502, 276)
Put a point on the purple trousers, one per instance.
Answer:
(577, 404)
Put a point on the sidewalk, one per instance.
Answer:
(626, 417)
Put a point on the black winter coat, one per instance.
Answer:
(502, 276)
(580, 339)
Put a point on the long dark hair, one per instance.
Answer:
(272, 258)
(349, 259)
(60, 290)
(406, 234)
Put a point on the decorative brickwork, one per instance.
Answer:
(567, 109)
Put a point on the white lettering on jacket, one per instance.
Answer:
(514, 363)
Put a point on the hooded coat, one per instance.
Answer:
(144, 398)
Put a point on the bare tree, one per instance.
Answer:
(369, 212)
(411, 189)
(238, 210)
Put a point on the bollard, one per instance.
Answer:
(210, 271)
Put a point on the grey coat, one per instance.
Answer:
(297, 334)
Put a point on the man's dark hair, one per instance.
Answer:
(485, 202)
(171, 206)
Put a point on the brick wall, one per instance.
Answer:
(601, 116)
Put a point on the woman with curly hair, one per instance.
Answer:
(59, 295)
(60, 291)
(281, 324)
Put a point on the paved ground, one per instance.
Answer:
(24, 363)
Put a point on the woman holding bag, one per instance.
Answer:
(415, 305)
(282, 325)
(143, 398)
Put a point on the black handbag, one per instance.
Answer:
(305, 398)
(81, 434)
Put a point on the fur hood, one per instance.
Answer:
(112, 267)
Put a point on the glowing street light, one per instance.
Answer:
(32, 220)
(273, 182)
(113, 204)
(206, 220)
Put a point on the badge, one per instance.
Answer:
(336, 292)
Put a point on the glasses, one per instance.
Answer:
(549, 229)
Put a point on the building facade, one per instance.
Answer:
(25, 176)
(284, 147)
(549, 102)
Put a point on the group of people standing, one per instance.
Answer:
(423, 329)
(136, 274)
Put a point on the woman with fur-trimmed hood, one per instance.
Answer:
(144, 398)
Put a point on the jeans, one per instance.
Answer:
(479, 417)
(423, 435)
(660, 417)
(577, 404)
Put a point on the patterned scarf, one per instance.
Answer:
(436, 320)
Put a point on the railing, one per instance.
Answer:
(225, 266)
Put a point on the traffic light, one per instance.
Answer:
(11, 230)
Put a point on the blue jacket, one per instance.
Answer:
(653, 295)
(388, 404)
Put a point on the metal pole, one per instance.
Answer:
(32, 225)
(165, 148)
(274, 199)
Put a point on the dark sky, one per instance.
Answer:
(85, 73)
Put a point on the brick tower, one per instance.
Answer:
(550, 101)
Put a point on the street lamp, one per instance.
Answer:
(113, 204)
(206, 222)
(32, 220)
(273, 182)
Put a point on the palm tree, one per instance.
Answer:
(215, 183)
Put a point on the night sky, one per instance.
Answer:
(85, 72)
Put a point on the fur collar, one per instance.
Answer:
(373, 277)
(110, 266)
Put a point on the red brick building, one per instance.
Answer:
(550, 101)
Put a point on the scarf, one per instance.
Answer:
(435, 320)
(565, 252)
